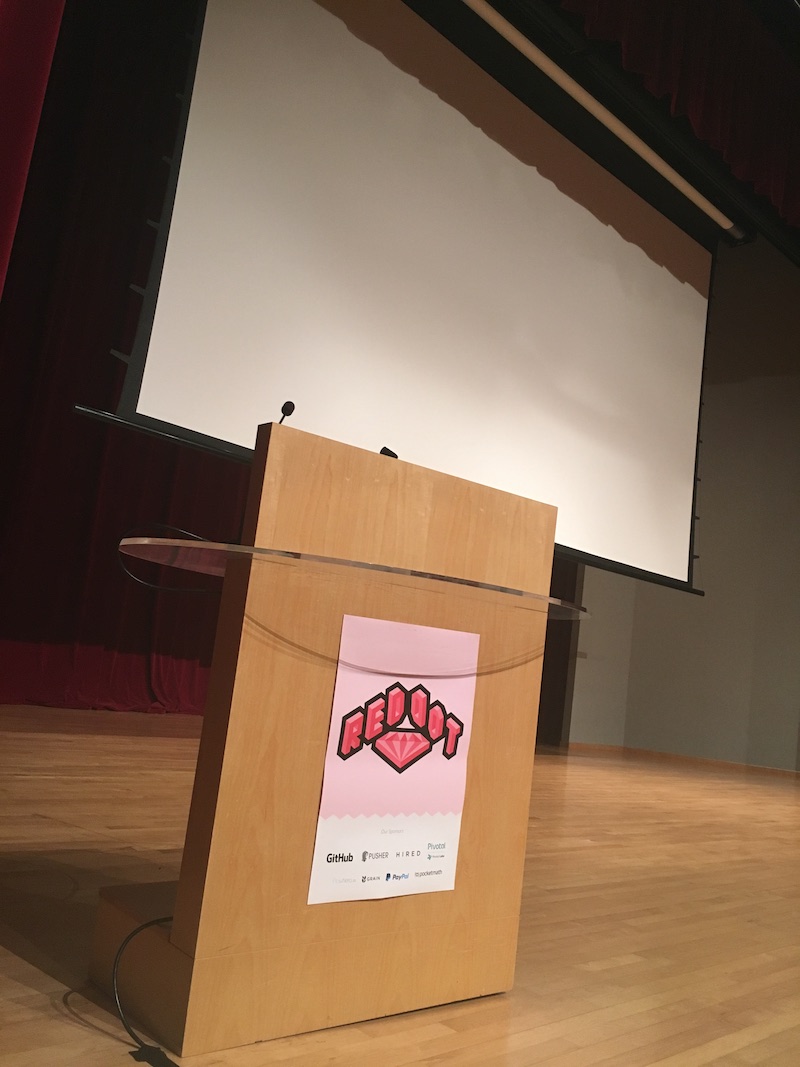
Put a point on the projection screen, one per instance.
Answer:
(368, 225)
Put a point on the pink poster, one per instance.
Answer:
(396, 762)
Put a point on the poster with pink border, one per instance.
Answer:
(396, 763)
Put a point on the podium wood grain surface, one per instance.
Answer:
(246, 958)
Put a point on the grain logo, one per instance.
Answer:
(402, 726)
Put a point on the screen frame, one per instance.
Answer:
(559, 111)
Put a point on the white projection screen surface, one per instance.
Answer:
(368, 225)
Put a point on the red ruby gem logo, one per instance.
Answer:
(401, 747)
(401, 725)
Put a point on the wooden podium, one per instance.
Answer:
(246, 958)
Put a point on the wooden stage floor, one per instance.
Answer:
(660, 922)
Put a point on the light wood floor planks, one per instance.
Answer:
(661, 917)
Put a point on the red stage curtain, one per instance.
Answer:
(723, 70)
(74, 630)
(28, 34)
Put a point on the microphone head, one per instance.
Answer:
(287, 408)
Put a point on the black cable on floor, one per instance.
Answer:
(143, 1053)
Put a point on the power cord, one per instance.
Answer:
(143, 1053)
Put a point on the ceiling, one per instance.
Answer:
(714, 89)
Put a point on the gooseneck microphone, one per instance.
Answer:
(287, 409)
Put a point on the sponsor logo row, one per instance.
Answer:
(434, 851)
(391, 876)
(403, 876)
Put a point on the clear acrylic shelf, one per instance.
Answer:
(212, 557)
